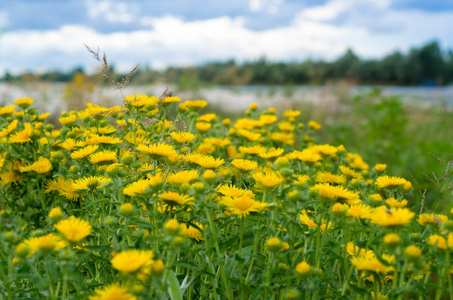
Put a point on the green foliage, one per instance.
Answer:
(404, 136)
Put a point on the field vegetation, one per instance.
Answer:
(160, 198)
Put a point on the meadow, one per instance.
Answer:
(160, 198)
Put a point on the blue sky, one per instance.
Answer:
(39, 35)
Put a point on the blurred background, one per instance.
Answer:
(377, 74)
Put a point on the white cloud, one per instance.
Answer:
(271, 6)
(110, 11)
(173, 41)
(3, 19)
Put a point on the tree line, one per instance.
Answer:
(428, 65)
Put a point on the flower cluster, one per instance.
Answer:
(122, 203)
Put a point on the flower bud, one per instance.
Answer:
(303, 269)
(158, 267)
(55, 214)
(178, 241)
(338, 209)
(22, 250)
(392, 240)
(126, 210)
(274, 244)
(380, 168)
(210, 176)
(172, 227)
(412, 252)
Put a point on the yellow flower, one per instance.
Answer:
(84, 152)
(134, 261)
(233, 191)
(23, 136)
(303, 269)
(9, 177)
(90, 182)
(286, 126)
(356, 251)
(74, 229)
(98, 111)
(172, 198)
(339, 193)
(432, 219)
(103, 130)
(64, 187)
(203, 126)
(103, 157)
(182, 137)
(268, 119)
(43, 116)
(307, 156)
(160, 150)
(243, 205)
(205, 148)
(172, 226)
(274, 244)
(140, 186)
(371, 263)
(413, 252)
(389, 182)
(385, 217)
(217, 142)
(305, 219)
(23, 102)
(356, 161)
(272, 153)
(44, 243)
(195, 105)
(302, 179)
(168, 100)
(268, 179)
(439, 241)
(392, 239)
(338, 209)
(254, 150)
(42, 166)
(327, 177)
(139, 100)
(284, 137)
(326, 150)
(205, 161)
(68, 120)
(55, 214)
(71, 144)
(207, 118)
(348, 172)
(314, 125)
(112, 292)
(395, 203)
(183, 177)
(245, 164)
(361, 211)
(380, 167)
(10, 128)
(249, 135)
(291, 113)
(6, 110)
(191, 230)
(96, 139)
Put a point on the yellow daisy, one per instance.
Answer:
(74, 229)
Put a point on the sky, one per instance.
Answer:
(42, 35)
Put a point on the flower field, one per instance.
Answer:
(130, 203)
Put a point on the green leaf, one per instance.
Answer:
(174, 289)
